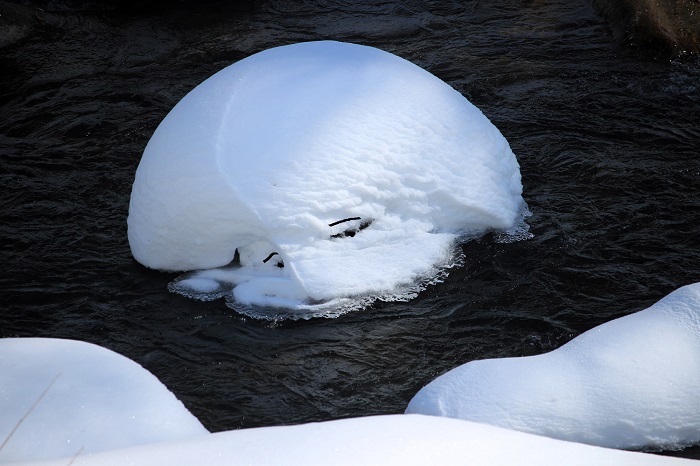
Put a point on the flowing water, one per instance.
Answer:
(608, 144)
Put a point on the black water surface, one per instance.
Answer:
(608, 144)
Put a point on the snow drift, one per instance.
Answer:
(66, 402)
(62, 398)
(629, 383)
(318, 171)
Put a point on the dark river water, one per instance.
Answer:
(608, 144)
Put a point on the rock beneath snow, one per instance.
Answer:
(330, 170)
(660, 29)
(629, 383)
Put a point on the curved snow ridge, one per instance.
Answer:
(62, 398)
(271, 153)
(629, 383)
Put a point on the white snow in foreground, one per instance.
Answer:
(66, 402)
(61, 398)
(403, 440)
(266, 155)
(629, 383)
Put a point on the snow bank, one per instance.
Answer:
(70, 403)
(61, 398)
(327, 170)
(629, 383)
(380, 440)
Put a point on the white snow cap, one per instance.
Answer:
(62, 398)
(630, 383)
(356, 167)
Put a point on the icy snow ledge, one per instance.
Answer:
(629, 383)
(358, 168)
(404, 440)
(62, 398)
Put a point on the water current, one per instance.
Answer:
(608, 143)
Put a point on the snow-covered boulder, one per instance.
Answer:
(62, 398)
(326, 170)
(630, 383)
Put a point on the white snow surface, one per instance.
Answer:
(404, 440)
(630, 383)
(61, 398)
(266, 154)
(66, 402)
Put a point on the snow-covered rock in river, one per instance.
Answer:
(63, 398)
(630, 383)
(327, 170)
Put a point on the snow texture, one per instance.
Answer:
(403, 440)
(61, 398)
(356, 167)
(630, 383)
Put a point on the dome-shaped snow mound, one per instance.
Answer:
(66, 398)
(327, 169)
(630, 383)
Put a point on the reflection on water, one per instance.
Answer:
(607, 143)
